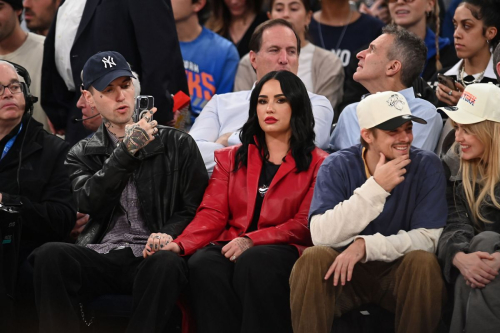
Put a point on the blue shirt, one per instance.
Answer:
(347, 131)
(417, 202)
(210, 62)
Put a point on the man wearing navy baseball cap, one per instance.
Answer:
(376, 215)
(141, 185)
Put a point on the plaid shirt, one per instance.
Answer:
(128, 226)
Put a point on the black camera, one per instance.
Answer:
(143, 103)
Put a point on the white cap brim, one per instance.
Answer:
(460, 116)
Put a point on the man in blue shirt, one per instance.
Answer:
(210, 60)
(391, 63)
(376, 215)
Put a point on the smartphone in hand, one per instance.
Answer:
(447, 81)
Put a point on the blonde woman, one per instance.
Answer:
(470, 243)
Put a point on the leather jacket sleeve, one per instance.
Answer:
(193, 179)
(98, 192)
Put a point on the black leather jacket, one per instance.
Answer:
(169, 175)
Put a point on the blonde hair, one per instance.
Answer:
(482, 174)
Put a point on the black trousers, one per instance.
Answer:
(67, 274)
(250, 295)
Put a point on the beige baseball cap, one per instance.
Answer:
(385, 110)
(479, 102)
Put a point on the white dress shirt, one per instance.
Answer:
(68, 20)
(227, 113)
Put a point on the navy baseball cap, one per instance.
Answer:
(104, 67)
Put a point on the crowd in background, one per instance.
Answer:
(223, 72)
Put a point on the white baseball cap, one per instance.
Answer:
(479, 102)
(385, 110)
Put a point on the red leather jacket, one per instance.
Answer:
(228, 204)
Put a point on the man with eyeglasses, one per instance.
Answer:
(34, 180)
(23, 48)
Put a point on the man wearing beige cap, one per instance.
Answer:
(375, 218)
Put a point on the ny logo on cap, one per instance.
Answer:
(108, 61)
(396, 102)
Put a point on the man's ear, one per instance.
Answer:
(88, 98)
(497, 66)
(367, 135)
(253, 57)
(199, 5)
(393, 68)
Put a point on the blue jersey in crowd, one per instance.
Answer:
(210, 62)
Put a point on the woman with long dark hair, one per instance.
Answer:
(252, 223)
(469, 247)
(476, 35)
(236, 20)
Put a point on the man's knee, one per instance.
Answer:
(167, 261)
(420, 257)
(421, 264)
(49, 253)
(486, 241)
(316, 256)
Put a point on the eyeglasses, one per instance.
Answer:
(394, 1)
(14, 88)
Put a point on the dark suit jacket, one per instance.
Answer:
(143, 31)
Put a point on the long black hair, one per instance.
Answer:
(301, 122)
